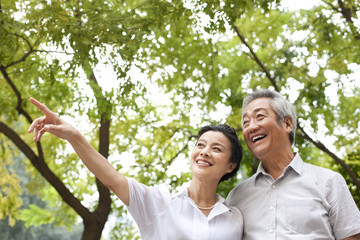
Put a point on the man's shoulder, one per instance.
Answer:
(248, 181)
(312, 168)
(319, 170)
(322, 176)
(242, 187)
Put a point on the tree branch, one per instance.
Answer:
(347, 13)
(23, 58)
(104, 205)
(1, 12)
(256, 59)
(322, 147)
(181, 150)
(45, 171)
(304, 135)
(38, 161)
(27, 54)
(333, 7)
(19, 107)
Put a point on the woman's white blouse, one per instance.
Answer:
(159, 215)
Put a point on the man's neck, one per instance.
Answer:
(275, 165)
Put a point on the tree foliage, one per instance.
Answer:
(176, 65)
(35, 229)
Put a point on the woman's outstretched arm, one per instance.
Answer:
(92, 159)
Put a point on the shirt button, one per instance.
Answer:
(271, 208)
(271, 230)
(273, 186)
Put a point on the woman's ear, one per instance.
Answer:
(231, 167)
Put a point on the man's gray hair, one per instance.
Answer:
(279, 104)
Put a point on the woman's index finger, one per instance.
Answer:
(44, 109)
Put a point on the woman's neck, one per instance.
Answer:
(203, 193)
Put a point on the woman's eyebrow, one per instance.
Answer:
(215, 144)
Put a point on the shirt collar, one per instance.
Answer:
(181, 193)
(184, 193)
(260, 171)
(221, 205)
(296, 164)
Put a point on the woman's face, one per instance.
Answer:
(210, 159)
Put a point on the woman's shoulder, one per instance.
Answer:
(157, 192)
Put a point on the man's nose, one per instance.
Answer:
(253, 126)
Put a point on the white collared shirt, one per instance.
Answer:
(159, 215)
(306, 202)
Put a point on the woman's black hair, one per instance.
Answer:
(236, 148)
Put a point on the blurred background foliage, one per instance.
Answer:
(140, 77)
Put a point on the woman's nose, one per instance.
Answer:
(205, 152)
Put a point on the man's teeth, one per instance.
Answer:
(203, 163)
(257, 137)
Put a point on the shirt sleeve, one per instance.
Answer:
(239, 220)
(344, 215)
(146, 202)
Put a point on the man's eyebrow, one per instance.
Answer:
(256, 110)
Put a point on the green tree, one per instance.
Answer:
(317, 50)
(19, 230)
(81, 32)
(202, 56)
(315, 63)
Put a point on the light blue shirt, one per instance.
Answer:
(305, 202)
(162, 216)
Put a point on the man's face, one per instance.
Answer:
(262, 132)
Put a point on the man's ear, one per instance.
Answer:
(288, 124)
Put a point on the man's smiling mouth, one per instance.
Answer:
(257, 138)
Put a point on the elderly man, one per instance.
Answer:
(288, 199)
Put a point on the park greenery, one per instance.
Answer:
(140, 77)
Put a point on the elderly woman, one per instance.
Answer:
(196, 213)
